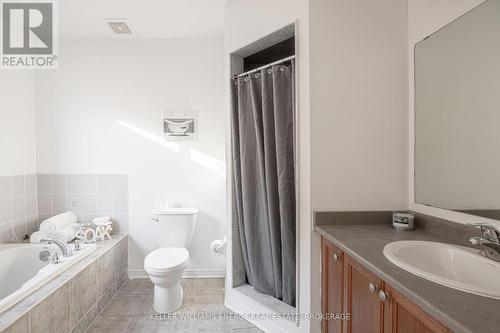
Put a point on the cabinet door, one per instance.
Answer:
(362, 299)
(332, 285)
(402, 316)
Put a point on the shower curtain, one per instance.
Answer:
(263, 178)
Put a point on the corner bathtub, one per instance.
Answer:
(22, 271)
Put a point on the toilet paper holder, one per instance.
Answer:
(218, 247)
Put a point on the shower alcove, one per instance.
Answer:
(243, 295)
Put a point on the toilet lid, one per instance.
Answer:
(166, 259)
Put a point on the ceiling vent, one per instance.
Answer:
(120, 26)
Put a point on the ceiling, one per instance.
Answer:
(148, 19)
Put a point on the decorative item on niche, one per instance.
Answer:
(180, 125)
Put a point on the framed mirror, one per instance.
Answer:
(457, 115)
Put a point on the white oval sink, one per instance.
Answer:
(454, 266)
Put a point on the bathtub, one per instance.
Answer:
(22, 271)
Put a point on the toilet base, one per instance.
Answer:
(168, 300)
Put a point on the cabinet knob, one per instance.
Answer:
(336, 256)
(383, 296)
(373, 288)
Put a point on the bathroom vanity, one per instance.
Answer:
(373, 305)
(357, 279)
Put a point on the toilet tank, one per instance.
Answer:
(174, 227)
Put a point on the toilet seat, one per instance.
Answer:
(166, 259)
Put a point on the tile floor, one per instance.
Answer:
(131, 309)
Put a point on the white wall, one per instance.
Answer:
(245, 22)
(17, 125)
(358, 105)
(101, 112)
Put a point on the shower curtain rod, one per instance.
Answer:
(265, 66)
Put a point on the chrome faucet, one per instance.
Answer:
(65, 249)
(489, 243)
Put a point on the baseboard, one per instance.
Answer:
(188, 274)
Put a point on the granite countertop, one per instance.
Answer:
(461, 312)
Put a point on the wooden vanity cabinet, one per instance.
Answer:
(402, 316)
(361, 299)
(373, 305)
(332, 294)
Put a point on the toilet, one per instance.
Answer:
(174, 229)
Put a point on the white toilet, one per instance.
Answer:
(174, 229)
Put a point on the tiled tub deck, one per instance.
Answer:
(71, 301)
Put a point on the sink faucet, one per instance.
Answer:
(66, 251)
(490, 242)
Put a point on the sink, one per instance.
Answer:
(453, 266)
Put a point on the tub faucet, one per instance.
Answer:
(66, 251)
(489, 242)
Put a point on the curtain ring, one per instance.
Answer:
(257, 75)
(282, 68)
(247, 78)
(269, 71)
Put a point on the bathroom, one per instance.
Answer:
(132, 126)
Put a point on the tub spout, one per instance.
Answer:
(65, 249)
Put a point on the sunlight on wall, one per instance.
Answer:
(211, 163)
(152, 137)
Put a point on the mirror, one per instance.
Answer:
(457, 114)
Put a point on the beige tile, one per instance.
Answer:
(120, 204)
(126, 306)
(104, 299)
(120, 184)
(105, 184)
(105, 204)
(31, 205)
(59, 184)
(89, 204)
(44, 184)
(75, 204)
(18, 208)
(120, 282)
(6, 210)
(112, 325)
(89, 183)
(247, 330)
(83, 293)
(20, 326)
(45, 204)
(138, 286)
(86, 321)
(5, 188)
(30, 184)
(191, 326)
(121, 257)
(18, 186)
(146, 325)
(59, 203)
(105, 272)
(74, 183)
(52, 314)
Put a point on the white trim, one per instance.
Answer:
(188, 274)
(243, 304)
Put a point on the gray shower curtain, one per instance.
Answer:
(263, 178)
